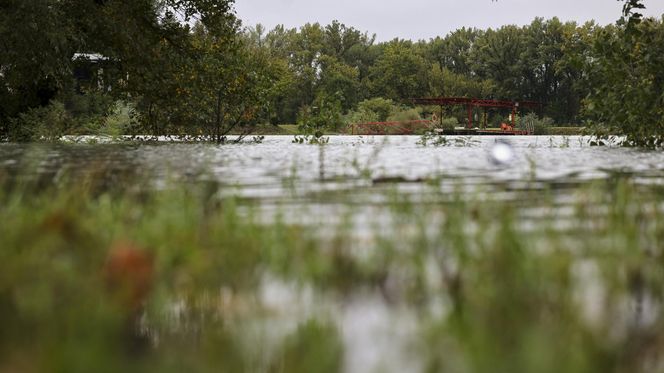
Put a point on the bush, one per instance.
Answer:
(448, 123)
(404, 115)
(119, 120)
(47, 123)
(325, 114)
(88, 105)
(373, 110)
(536, 125)
(381, 108)
(362, 116)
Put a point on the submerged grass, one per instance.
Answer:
(99, 278)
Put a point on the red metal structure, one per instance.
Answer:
(470, 103)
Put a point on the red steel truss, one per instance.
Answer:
(475, 102)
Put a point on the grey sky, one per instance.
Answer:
(424, 19)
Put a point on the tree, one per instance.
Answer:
(454, 51)
(147, 39)
(325, 113)
(573, 72)
(627, 82)
(399, 73)
(337, 78)
(36, 45)
(443, 82)
(627, 79)
(497, 57)
(222, 86)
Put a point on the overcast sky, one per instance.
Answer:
(424, 19)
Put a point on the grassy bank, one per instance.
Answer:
(99, 278)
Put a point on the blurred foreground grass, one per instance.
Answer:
(114, 279)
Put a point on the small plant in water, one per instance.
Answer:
(434, 139)
(258, 139)
(315, 139)
(565, 143)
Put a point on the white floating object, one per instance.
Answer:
(501, 153)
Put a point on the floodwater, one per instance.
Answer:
(274, 167)
(313, 183)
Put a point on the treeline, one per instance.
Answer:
(176, 67)
(547, 61)
(188, 67)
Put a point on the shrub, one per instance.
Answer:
(362, 116)
(373, 110)
(47, 123)
(119, 120)
(325, 114)
(448, 123)
(404, 115)
(381, 108)
(536, 125)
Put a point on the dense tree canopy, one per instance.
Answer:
(150, 44)
(544, 61)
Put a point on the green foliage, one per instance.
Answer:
(404, 114)
(538, 126)
(400, 72)
(78, 114)
(315, 139)
(517, 297)
(157, 49)
(544, 61)
(35, 54)
(628, 82)
(372, 110)
(382, 110)
(448, 123)
(221, 85)
(631, 17)
(438, 139)
(325, 114)
(47, 123)
(313, 346)
(339, 79)
(119, 121)
(444, 82)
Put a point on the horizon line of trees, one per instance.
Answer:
(189, 67)
(544, 61)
